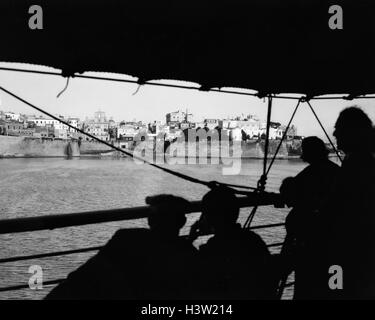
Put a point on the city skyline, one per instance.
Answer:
(125, 101)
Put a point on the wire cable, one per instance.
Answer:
(275, 96)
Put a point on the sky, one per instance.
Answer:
(85, 96)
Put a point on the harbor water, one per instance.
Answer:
(31, 187)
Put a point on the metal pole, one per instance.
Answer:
(262, 181)
(56, 221)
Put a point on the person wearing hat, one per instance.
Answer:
(307, 194)
(347, 240)
(139, 263)
(235, 262)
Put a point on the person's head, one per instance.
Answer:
(313, 150)
(167, 214)
(354, 130)
(220, 208)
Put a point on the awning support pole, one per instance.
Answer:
(263, 179)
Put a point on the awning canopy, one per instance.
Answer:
(267, 45)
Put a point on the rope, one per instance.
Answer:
(276, 96)
(172, 172)
(325, 132)
(63, 90)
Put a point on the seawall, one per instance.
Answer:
(93, 147)
(23, 147)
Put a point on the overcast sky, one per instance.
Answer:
(83, 97)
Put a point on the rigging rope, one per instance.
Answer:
(278, 96)
(63, 90)
(210, 184)
(283, 137)
(325, 132)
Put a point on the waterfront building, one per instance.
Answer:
(173, 134)
(98, 126)
(173, 125)
(61, 133)
(12, 116)
(178, 117)
(61, 126)
(274, 131)
(44, 132)
(126, 142)
(73, 122)
(42, 122)
(186, 125)
(235, 134)
(15, 128)
(211, 123)
(126, 130)
(158, 128)
(251, 126)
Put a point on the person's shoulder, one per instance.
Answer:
(127, 237)
(332, 165)
(251, 235)
(212, 245)
(254, 241)
(187, 246)
(132, 232)
(304, 173)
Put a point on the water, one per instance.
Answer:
(36, 187)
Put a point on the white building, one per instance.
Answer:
(211, 123)
(274, 132)
(251, 127)
(42, 122)
(126, 130)
(73, 122)
(179, 116)
(13, 116)
(99, 126)
(236, 134)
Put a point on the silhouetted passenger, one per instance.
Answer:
(306, 193)
(139, 263)
(348, 240)
(235, 262)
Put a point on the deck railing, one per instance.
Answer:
(18, 225)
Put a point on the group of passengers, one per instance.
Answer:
(157, 263)
(331, 224)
